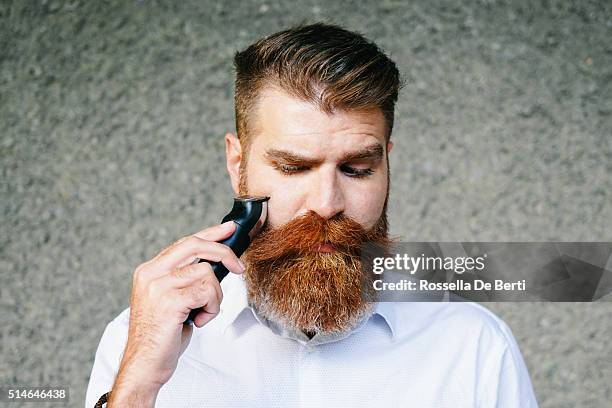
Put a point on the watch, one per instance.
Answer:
(102, 401)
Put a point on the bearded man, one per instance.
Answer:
(296, 323)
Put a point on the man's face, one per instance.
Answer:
(306, 160)
(327, 179)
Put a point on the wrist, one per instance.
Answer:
(138, 372)
(130, 391)
(132, 397)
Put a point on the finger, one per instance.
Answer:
(191, 279)
(196, 249)
(211, 279)
(208, 311)
(214, 233)
(193, 276)
(217, 232)
(178, 303)
(218, 254)
(205, 297)
(202, 318)
(190, 274)
(170, 247)
(232, 262)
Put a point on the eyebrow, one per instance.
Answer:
(371, 152)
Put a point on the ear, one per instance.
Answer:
(233, 157)
(389, 146)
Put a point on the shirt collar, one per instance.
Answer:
(388, 313)
(234, 288)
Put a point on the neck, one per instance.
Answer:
(310, 334)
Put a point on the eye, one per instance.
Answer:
(356, 173)
(290, 168)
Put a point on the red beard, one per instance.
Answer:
(291, 283)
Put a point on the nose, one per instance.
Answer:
(326, 197)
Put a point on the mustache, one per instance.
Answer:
(300, 235)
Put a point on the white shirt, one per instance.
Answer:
(407, 354)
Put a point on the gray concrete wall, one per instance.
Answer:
(112, 115)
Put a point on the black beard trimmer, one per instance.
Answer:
(249, 214)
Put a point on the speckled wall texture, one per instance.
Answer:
(112, 116)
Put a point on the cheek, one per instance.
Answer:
(366, 205)
(281, 209)
(284, 195)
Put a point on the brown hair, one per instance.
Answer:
(319, 63)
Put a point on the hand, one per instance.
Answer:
(164, 290)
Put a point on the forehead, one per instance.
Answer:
(285, 121)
